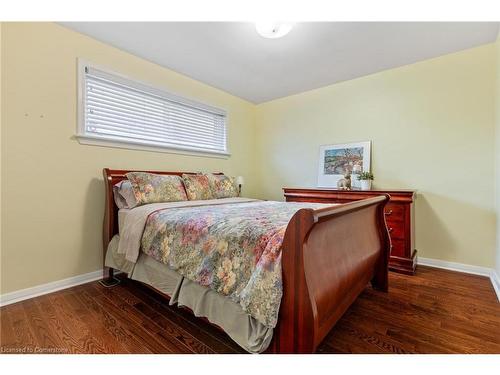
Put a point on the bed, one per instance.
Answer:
(328, 254)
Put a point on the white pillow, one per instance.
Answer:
(124, 194)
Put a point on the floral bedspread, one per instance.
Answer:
(235, 249)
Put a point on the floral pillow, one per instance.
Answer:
(155, 188)
(197, 186)
(223, 186)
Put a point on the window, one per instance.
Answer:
(119, 112)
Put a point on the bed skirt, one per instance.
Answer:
(246, 331)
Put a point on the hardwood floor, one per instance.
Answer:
(435, 311)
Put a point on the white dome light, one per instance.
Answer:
(273, 29)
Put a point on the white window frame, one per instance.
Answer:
(109, 141)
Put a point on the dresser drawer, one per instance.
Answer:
(398, 248)
(396, 230)
(394, 212)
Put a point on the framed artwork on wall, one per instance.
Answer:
(336, 160)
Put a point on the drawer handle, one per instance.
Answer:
(391, 229)
(388, 213)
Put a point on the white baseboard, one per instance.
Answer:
(20, 295)
(452, 266)
(495, 280)
(465, 268)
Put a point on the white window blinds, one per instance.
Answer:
(119, 109)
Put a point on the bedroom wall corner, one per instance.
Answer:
(52, 187)
(421, 119)
(497, 152)
(1, 160)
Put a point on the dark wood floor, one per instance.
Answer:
(435, 311)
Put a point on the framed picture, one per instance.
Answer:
(336, 160)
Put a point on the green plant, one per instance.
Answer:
(365, 176)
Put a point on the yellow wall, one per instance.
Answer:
(432, 129)
(1, 127)
(497, 149)
(52, 186)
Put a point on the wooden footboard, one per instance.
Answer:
(328, 257)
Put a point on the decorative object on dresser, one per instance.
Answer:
(365, 179)
(335, 161)
(345, 183)
(399, 216)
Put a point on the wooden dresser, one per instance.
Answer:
(399, 214)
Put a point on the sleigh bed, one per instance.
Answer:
(328, 256)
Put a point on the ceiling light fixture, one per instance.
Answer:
(273, 29)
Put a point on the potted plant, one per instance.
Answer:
(366, 180)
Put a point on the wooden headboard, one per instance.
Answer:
(112, 177)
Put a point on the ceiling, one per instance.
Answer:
(233, 57)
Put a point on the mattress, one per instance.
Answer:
(245, 330)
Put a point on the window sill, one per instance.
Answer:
(93, 140)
